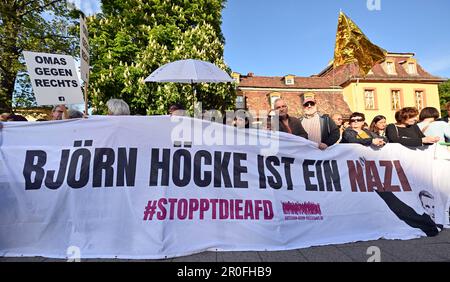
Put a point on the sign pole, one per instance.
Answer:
(86, 83)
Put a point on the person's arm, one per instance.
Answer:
(349, 136)
(334, 133)
(408, 214)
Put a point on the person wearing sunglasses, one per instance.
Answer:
(355, 133)
(406, 131)
(320, 128)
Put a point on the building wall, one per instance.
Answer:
(354, 96)
(328, 101)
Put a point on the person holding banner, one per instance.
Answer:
(320, 128)
(287, 123)
(355, 133)
(406, 131)
(378, 127)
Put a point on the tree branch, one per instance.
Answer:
(39, 9)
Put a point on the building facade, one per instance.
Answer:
(397, 82)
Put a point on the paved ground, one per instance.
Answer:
(418, 250)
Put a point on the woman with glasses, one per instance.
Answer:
(355, 133)
(378, 127)
(406, 131)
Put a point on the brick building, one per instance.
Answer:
(397, 82)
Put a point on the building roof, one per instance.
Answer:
(279, 82)
(346, 73)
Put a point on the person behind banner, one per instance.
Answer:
(406, 131)
(287, 123)
(58, 112)
(117, 107)
(339, 121)
(355, 133)
(177, 110)
(14, 117)
(320, 128)
(378, 127)
(71, 114)
(431, 126)
(4, 116)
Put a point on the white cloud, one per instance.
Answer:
(88, 7)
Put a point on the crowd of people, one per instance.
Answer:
(412, 129)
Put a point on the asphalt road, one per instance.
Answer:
(424, 249)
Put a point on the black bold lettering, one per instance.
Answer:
(30, 167)
(126, 167)
(85, 156)
(238, 169)
(221, 169)
(332, 176)
(287, 170)
(198, 180)
(307, 174)
(55, 184)
(177, 179)
(274, 181)
(262, 175)
(157, 165)
(101, 164)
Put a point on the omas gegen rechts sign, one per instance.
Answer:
(54, 78)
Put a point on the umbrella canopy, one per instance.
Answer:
(189, 71)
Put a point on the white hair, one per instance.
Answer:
(118, 107)
(74, 114)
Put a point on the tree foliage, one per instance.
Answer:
(444, 95)
(132, 38)
(31, 25)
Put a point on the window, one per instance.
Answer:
(272, 98)
(369, 98)
(240, 102)
(412, 68)
(289, 81)
(396, 100)
(419, 97)
(390, 67)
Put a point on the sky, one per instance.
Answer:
(279, 37)
(276, 38)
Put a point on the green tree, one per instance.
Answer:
(132, 38)
(32, 25)
(444, 95)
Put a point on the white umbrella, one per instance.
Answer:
(189, 71)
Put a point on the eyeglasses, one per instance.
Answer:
(309, 104)
(356, 119)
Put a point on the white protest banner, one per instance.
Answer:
(156, 187)
(84, 50)
(54, 78)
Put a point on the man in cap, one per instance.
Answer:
(320, 128)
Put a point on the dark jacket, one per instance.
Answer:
(351, 136)
(410, 136)
(296, 127)
(329, 131)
